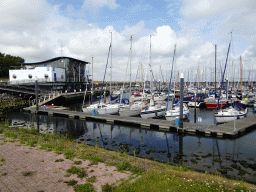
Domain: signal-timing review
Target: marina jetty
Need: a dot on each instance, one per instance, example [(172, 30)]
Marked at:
[(228, 130)]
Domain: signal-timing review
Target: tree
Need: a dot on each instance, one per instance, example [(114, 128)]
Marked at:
[(6, 61)]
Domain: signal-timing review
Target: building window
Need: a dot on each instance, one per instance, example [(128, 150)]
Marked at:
[(46, 76), (14, 76), (53, 69), (62, 76), (29, 76)]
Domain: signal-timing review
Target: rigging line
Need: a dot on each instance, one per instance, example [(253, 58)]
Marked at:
[(105, 73)]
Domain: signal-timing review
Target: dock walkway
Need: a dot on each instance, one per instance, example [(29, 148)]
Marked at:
[(228, 130)]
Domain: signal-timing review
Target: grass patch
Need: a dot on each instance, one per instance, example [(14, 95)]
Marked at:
[(59, 160), (72, 182), (77, 162), (91, 179), (107, 188), (2, 160), (84, 188), (123, 166), (96, 159), (80, 172), (67, 175)]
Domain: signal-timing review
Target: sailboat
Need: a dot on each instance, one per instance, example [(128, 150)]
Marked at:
[(103, 107), (153, 110), (134, 108), (171, 114), (229, 114)]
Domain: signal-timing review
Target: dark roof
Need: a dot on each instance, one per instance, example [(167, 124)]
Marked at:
[(55, 59)]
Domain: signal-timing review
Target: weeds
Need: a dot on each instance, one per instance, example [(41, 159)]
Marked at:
[(123, 166), (80, 172), (77, 162), (85, 187), (59, 160), (107, 188), (91, 179), (72, 182)]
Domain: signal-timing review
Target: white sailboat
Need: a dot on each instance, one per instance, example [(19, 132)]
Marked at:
[(229, 114), (101, 107), (134, 108), (154, 110), (173, 113)]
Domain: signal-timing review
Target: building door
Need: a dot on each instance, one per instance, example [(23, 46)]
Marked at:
[(55, 77)]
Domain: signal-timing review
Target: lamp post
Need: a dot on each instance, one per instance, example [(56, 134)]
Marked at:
[(181, 99)]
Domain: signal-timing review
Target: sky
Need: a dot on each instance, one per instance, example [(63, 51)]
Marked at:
[(38, 30)]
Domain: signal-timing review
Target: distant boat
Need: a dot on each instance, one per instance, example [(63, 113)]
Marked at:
[(172, 114), (211, 103), (229, 114), (153, 111)]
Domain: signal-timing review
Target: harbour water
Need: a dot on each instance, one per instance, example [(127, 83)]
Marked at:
[(234, 157)]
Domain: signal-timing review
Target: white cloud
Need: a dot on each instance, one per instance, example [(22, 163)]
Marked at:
[(22, 15), (94, 6)]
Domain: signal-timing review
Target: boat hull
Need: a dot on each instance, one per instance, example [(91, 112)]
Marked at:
[(154, 113), (224, 119), (214, 105), (129, 112), (174, 116)]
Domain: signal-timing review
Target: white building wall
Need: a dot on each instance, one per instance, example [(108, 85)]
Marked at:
[(48, 74)]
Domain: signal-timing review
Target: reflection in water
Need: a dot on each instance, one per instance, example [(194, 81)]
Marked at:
[(232, 157)]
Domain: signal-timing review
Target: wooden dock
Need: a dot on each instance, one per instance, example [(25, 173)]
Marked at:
[(227, 130)]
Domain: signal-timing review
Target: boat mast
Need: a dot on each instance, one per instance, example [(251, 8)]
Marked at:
[(198, 77), (150, 70), (131, 67), (241, 74), (92, 81), (215, 71), (111, 66)]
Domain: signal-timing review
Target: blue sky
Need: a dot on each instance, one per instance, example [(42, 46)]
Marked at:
[(35, 30)]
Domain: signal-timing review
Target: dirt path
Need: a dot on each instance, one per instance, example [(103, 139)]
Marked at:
[(46, 174)]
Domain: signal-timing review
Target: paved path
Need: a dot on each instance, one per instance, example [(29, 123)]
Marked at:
[(47, 175)]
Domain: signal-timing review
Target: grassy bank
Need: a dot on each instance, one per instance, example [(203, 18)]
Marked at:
[(151, 175)]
